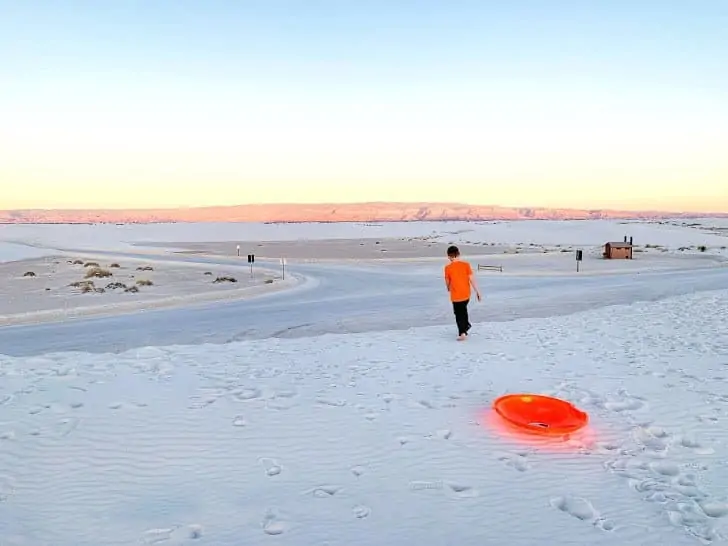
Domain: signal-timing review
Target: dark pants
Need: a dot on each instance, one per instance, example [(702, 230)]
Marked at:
[(460, 308)]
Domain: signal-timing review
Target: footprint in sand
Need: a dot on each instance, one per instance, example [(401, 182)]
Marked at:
[(360, 511), (518, 460), (239, 421), (177, 535), (690, 442), (324, 491), (651, 439), (246, 394), (460, 490), (714, 509), (627, 404), (157, 536), (452, 489), (271, 467), (672, 486), (331, 402), (272, 524), (580, 508), (67, 426)]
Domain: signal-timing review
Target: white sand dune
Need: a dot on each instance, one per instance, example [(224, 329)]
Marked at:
[(380, 437), (56, 288), (680, 233), (377, 439)]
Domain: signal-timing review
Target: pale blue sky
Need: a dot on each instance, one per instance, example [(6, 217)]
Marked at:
[(555, 103)]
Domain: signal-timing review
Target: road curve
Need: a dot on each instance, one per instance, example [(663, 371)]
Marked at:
[(347, 299)]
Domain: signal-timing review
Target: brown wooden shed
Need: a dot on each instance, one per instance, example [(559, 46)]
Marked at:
[(618, 251)]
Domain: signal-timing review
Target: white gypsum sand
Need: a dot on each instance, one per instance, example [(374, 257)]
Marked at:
[(527, 259), (377, 438), (668, 234), (58, 287)]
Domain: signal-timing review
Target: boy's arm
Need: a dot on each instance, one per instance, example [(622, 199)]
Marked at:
[(473, 282), (447, 280)]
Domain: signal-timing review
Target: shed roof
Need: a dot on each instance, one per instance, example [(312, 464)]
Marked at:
[(620, 244)]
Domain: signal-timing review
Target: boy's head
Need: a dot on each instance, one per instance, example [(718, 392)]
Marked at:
[(453, 252)]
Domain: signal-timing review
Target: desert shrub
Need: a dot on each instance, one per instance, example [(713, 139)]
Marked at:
[(77, 262), (91, 264), (144, 282), (225, 279), (132, 289), (208, 272), (81, 284), (114, 266), (702, 248), (90, 288), (269, 281), (115, 286), (29, 274), (145, 268), (97, 272)]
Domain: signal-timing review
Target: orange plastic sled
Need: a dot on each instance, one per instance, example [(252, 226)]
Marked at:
[(540, 414)]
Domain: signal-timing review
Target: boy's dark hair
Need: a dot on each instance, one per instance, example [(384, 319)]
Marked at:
[(453, 251)]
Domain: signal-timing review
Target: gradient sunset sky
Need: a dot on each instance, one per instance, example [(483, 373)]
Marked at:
[(139, 103)]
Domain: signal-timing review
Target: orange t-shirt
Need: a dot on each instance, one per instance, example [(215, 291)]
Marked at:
[(458, 273)]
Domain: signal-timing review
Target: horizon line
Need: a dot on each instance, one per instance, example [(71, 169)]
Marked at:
[(358, 203)]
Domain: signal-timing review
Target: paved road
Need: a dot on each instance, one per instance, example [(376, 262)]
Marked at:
[(341, 299)]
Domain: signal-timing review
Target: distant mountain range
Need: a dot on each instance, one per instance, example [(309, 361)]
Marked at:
[(323, 212)]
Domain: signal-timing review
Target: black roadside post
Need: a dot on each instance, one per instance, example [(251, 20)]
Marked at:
[(251, 260), (578, 259)]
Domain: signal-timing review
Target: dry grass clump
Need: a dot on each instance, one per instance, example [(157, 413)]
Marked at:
[(29, 274), (116, 286), (132, 289), (98, 272), (91, 264), (114, 266), (87, 287), (144, 282), (81, 284), (225, 279), (145, 268)]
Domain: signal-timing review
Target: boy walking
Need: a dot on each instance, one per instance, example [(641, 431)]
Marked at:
[(459, 278)]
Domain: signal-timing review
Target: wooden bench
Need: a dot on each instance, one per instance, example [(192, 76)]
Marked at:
[(490, 267)]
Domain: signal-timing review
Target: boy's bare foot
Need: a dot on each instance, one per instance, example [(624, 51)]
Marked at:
[(462, 337)]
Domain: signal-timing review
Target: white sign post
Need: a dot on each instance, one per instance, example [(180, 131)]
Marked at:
[(238, 251), (283, 268)]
